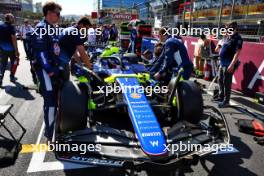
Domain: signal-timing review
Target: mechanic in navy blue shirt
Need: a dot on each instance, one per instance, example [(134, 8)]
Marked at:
[(8, 46), (30, 55), (133, 38), (72, 45), (229, 53), (46, 51), (174, 56)]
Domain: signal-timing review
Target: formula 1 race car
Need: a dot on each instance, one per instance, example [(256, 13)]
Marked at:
[(131, 129)]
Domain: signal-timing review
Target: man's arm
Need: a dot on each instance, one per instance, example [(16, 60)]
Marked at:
[(167, 62), (40, 44), (235, 58), (84, 57), (234, 61)]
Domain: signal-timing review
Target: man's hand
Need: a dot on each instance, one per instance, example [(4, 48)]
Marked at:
[(157, 76), (51, 74), (17, 54), (84, 57), (230, 69)]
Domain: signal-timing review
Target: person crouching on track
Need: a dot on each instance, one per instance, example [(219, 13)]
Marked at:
[(71, 45), (8, 47), (174, 56), (46, 51)]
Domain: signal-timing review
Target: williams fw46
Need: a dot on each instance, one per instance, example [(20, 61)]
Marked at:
[(136, 129)]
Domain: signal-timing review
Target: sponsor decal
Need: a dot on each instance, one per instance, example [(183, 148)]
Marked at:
[(135, 95), (97, 161), (151, 134)]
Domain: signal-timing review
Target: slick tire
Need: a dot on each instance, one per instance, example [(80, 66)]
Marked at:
[(72, 108), (190, 102)]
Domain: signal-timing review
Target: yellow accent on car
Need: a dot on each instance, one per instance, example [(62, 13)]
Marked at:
[(83, 79), (142, 77), (91, 104), (174, 102)]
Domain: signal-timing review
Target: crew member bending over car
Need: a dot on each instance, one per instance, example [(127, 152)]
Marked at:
[(174, 56), (72, 45), (46, 51)]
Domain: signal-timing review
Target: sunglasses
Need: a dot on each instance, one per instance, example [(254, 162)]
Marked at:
[(56, 12)]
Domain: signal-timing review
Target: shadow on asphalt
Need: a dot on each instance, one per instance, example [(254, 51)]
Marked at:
[(97, 171), (19, 91), (229, 164), (249, 104)]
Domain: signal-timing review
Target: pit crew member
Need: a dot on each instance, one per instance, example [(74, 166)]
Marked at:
[(71, 44), (174, 56), (46, 51)]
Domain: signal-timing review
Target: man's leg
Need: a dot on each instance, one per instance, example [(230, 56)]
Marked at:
[(227, 83), (25, 44), (50, 102), (221, 84), (3, 64), (228, 86), (33, 72), (13, 65)]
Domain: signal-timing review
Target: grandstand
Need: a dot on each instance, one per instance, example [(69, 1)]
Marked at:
[(213, 13)]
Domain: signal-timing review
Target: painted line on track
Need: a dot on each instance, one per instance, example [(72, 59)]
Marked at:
[(37, 163)]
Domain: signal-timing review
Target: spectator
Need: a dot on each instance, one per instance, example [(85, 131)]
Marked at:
[(229, 53), (197, 55), (206, 51), (113, 33), (105, 34), (92, 38), (24, 30), (133, 38), (8, 47)]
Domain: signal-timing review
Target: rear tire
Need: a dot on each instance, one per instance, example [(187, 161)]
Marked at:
[(73, 108), (190, 102)]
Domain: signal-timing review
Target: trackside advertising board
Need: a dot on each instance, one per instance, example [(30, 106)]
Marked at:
[(249, 78)]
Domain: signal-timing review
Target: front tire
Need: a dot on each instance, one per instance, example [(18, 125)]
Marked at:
[(73, 108), (190, 102)]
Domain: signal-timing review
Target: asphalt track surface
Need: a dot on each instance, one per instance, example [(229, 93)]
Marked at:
[(28, 110)]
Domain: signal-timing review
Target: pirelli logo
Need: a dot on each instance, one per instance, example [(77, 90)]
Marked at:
[(151, 134)]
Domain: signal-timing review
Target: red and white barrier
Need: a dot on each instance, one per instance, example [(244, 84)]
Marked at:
[(249, 78)]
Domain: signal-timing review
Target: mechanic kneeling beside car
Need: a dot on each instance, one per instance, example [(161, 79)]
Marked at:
[(174, 56)]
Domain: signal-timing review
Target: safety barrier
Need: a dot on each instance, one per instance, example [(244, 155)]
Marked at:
[(249, 78)]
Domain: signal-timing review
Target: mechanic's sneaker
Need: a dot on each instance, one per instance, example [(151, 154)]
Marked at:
[(218, 99), (223, 104), (13, 78)]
